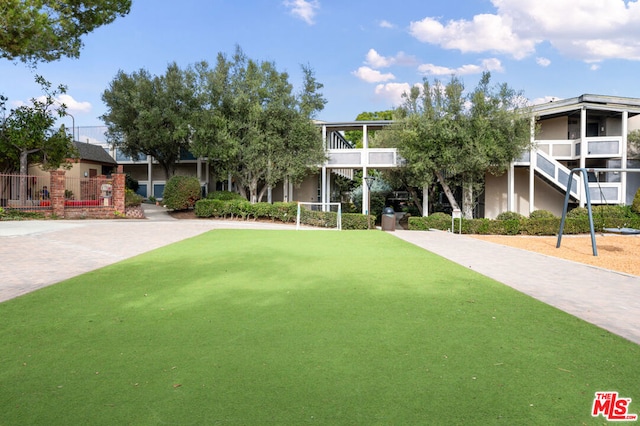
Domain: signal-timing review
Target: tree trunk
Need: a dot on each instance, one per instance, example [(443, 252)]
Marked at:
[(447, 191), (253, 190), (264, 189), (24, 170), (467, 199), (416, 200)]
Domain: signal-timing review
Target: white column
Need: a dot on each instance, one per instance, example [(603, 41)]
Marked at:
[(584, 150), (425, 200), (365, 192), (324, 137), (533, 162), (623, 175), (511, 188), (327, 189), (365, 137), (150, 175), (323, 186), (285, 190)]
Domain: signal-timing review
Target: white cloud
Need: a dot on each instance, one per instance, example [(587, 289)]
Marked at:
[(372, 76), (386, 24), (543, 62), (589, 30), (72, 105), (485, 33), (392, 92), (305, 10), (544, 100), (376, 60), (491, 64)]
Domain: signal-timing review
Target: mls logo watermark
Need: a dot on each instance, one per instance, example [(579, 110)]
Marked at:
[(612, 407)]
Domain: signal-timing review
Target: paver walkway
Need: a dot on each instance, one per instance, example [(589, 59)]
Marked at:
[(35, 254)]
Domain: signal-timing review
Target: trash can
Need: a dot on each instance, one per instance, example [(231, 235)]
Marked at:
[(388, 219)]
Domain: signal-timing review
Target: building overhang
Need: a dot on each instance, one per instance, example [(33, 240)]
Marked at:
[(611, 104)]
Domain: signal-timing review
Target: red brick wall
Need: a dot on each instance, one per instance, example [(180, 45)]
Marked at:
[(116, 209)]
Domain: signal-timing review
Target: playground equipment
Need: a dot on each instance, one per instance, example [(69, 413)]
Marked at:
[(585, 180)]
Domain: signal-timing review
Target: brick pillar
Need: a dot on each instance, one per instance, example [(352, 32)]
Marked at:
[(57, 192), (118, 190)]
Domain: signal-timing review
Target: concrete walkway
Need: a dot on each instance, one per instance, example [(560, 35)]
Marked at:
[(36, 254)]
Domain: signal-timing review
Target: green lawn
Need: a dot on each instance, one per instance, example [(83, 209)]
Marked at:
[(283, 327)]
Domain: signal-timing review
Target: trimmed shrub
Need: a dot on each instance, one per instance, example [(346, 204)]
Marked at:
[(510, 216), (541, 214), (131, 199), (319, 218), (209, 208), (635, 206), (440, 221), (224, 196), (181, 192), (284, 212), (355, 221), (578, 212)]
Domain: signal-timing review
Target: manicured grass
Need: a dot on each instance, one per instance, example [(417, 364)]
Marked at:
[(284, 327)]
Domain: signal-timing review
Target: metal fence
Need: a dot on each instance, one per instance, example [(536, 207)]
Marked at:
[(88, 192), (25, 192)]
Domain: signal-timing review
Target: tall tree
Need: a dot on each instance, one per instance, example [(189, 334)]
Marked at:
[(455, 138), (27, 134), (46, 30), (151, 115), (253, 126), (355, 136)]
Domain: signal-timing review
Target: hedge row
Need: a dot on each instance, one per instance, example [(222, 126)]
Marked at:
[(279, 211), (523, 226)]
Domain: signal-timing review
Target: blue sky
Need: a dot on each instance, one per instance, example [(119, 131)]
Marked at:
[(366, 53)]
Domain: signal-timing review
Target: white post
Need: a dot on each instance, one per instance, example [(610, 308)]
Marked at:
[(323, 186), (623, 175), (584, 150), (425, 200), (365, 192), (150, 176), (533, 162), (285, 190), (510, 188)]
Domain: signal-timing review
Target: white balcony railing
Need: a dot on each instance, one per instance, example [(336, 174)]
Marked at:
[(358, 158), (598, 147), (605, 193)]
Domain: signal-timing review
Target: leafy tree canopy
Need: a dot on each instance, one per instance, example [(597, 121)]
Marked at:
[(355, 136), (27, 134), (151, 115), (46, 30), (456, 137), (254, 126)]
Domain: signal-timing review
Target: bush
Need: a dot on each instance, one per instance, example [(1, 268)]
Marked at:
[(181, 192), (578, 212), (131, 183), (541, 214), (209, 208), (355, 221), (224, 196), (440, 221), (635, 206), (131, 199), (510, 216)]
